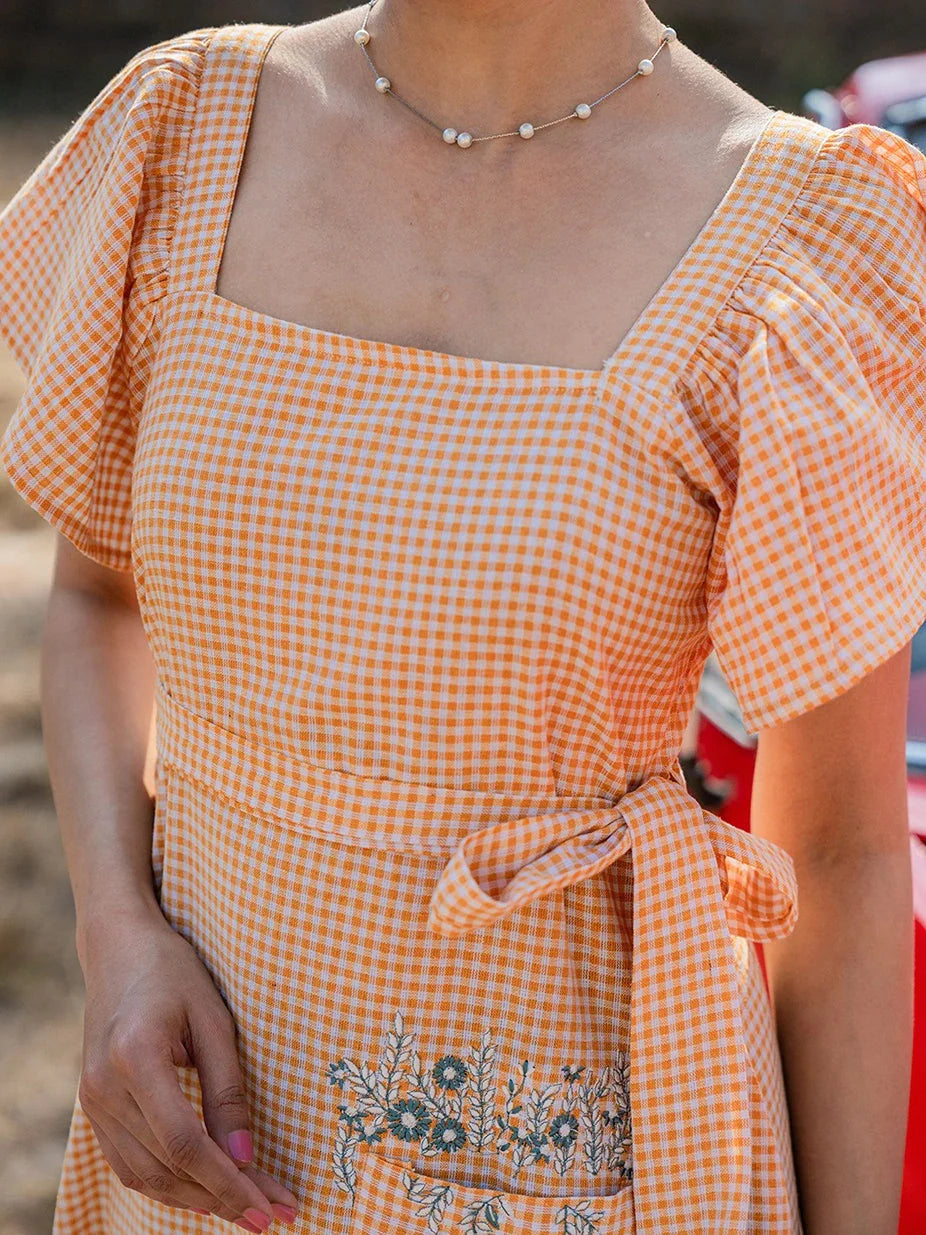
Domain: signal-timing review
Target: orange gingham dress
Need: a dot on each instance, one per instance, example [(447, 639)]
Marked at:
[(428, 630)]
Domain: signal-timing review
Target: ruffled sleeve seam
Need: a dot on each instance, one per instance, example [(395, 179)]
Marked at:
[(758, 259), (151, 287), (180, 177), (824, 166)]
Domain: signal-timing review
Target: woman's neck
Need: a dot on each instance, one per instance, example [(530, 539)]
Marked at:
[(488, 64)]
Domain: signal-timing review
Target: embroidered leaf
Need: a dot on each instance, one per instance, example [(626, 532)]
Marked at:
[(539, 1109), (521, 1152), (592, 1127), (367, 1092), (480, 1217), (342, 1156), (618, 1141), (432, 1200), (415, 1187), (512, 1108), (396, 1051), (337, 1073), (579, 1219), (563, 1156), (482, 1092)]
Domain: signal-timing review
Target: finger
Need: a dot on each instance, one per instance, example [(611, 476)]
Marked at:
[(213, 1042), (224, 1100), (138, 1170), (125, 1128), (285, 1203), (186, 1145)]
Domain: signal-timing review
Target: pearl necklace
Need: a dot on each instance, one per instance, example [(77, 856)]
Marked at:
[(463, 139)]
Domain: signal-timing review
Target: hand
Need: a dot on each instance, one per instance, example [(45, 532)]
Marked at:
[(152, 1007)]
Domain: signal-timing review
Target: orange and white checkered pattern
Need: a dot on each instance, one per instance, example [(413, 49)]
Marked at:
[(428, 629)]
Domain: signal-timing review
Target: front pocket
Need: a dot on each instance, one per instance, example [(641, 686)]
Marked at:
[(392, 1198)]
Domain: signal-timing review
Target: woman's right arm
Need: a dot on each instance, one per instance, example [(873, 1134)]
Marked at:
[(151, 1003)]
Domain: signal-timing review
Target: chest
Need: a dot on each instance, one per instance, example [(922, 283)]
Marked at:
[(509, 252)]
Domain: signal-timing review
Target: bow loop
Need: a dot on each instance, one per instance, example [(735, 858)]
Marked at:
[(499, 868)]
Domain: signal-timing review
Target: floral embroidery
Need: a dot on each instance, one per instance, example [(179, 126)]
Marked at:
[(433, 1199), (450, 1072), (457, 1102), (579, 1219), (449, 1134), (409, 1119), (482, 1217)]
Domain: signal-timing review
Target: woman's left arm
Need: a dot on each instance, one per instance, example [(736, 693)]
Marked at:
[(830, 788)]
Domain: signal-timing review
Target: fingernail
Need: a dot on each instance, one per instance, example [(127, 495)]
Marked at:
[(199, 1211), (247, 1226), (260, 1220), (285, 1213), (239, 1145)]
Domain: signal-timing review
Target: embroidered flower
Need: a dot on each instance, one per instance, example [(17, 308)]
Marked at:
[(564, 1129), (450, 1072), (408, 1119), (448, 1134)]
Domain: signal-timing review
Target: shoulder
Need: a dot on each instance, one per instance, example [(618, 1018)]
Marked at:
[(846, 260), (870, 159), (858, 221), (169, 70), (825, 328), (866, 196)]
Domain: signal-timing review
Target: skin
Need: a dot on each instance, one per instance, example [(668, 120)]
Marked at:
[(830, 787), (353, 216)]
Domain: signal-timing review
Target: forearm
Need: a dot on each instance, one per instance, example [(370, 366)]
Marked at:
[(842, 987), (97, 685)]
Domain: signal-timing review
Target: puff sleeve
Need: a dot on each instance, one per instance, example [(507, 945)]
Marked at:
[(807, 400), (84, 261)]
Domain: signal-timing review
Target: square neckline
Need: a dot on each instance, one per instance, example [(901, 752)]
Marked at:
[(362, 350)]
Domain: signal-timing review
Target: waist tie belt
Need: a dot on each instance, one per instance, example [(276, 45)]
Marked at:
[(697, 881)]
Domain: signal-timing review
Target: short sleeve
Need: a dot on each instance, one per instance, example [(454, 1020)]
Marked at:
[(807, 406), (84, 262)]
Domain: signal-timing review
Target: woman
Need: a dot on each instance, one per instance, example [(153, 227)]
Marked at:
[(410, 457)]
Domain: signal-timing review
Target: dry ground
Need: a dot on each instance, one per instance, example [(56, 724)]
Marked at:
[(41, 988)]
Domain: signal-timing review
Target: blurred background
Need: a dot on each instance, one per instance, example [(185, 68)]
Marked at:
[(834, 60)]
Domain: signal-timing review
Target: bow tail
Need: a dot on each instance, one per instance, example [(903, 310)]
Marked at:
[(690, 1071)]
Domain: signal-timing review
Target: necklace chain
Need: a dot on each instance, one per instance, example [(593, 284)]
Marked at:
[(463, 138)]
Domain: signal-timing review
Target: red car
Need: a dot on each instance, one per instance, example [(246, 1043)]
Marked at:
[(721, 776), (890, 93)]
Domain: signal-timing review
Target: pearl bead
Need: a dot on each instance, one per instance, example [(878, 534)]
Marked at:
[(383, 84), (669, 34), (583, 111), (526, 130), (361, 36), (645, 67), (450, 136), (464, 139)]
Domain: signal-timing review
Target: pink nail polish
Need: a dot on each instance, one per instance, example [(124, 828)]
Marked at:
[(239, 1145), (260, 1220), (285, 1213), (248, 1226), (199, 1211)]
